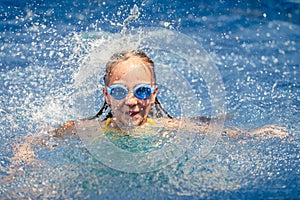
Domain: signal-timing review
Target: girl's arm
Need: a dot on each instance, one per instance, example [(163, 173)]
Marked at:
[(268, 130), (67, 128)]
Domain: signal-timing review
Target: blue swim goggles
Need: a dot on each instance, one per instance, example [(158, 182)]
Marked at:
[(142, 91)]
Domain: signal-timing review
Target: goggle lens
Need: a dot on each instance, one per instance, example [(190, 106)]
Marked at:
[(142, 92), (119, 91)]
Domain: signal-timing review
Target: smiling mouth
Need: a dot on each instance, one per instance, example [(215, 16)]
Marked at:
[(131, 113)]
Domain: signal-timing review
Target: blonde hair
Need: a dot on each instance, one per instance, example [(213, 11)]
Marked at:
[(123, 56)]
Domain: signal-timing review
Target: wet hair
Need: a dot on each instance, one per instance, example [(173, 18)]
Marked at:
[(123, 56), (157, 110)]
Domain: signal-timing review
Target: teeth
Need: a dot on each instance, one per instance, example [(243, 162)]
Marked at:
[(132, 113)]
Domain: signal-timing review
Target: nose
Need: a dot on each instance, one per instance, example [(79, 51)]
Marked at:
[(131, 100)]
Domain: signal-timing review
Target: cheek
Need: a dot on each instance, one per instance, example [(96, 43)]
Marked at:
[(119, 105), (145, 105), (116, 104)]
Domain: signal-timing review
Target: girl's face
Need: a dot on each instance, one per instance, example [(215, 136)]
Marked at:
[(130, 111)]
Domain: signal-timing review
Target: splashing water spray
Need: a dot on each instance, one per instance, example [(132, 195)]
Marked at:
[(134, 15), (173, 53)]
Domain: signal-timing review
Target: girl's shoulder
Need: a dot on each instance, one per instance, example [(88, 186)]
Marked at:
[(73, 127), (89, 123), (174, 123)]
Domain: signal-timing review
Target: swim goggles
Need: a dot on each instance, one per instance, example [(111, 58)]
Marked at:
[(142, 91)]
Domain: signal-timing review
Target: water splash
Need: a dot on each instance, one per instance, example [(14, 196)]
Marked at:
[(233, 164), (134, 15)]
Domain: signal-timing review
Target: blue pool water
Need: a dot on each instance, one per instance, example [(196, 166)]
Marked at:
[(255, 47)]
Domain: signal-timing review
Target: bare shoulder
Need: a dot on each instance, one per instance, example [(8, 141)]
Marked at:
[(89, 123), (182, 123), (89, 126), (169, 123), (72, 127)]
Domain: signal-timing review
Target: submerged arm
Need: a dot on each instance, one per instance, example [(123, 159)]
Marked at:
[(268, 130), (24, 147)]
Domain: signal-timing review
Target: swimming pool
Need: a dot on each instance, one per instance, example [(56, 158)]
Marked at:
[(255, 47)]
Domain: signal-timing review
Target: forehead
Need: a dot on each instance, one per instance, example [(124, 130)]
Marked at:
[(133, 70)]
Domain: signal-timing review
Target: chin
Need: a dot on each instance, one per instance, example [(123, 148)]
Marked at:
[(134, 121)]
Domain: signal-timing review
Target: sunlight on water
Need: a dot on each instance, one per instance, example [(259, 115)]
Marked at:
[(50, 72)]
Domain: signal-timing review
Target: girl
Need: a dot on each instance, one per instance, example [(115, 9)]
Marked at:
[(130, 95), (131, 104), (131, 100)]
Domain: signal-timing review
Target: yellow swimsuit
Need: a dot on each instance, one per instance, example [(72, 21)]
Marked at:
[(106, 128)]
